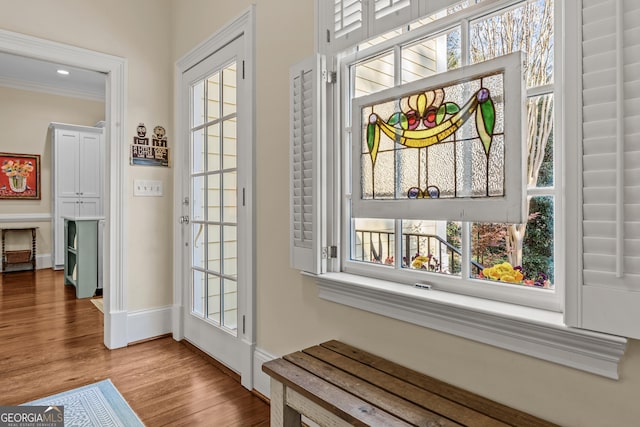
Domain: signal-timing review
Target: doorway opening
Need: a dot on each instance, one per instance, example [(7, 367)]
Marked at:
[(115, 266)]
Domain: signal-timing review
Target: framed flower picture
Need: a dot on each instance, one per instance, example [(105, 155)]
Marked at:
[(20, 176)]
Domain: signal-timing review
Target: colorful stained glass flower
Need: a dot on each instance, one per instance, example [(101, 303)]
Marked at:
[(429, 119)]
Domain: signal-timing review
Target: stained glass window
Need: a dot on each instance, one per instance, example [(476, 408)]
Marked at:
[(446, 142), (448, 138)]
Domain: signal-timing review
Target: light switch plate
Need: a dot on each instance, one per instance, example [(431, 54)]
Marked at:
[(147, 188)]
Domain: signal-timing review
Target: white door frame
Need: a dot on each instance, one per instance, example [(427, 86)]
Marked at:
[(115, 261), (244, 25)]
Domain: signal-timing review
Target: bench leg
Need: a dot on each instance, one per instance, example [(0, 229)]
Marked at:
[(281, 414)]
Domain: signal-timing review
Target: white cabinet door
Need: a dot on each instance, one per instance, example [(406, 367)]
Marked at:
[(78, 157), (90, 165), (66, 158), (89, 206)]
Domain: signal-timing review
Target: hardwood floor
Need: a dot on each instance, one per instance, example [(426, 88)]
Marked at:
[(52, 342)]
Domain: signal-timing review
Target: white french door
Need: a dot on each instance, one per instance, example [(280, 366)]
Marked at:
[(216, 216)]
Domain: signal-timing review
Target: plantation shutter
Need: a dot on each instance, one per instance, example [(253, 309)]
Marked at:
[(345, 23), (306, 157), (610, 289), (429, 7), (389, 14)]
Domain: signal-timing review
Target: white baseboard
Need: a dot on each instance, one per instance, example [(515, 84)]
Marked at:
[(261, 381), (146, 324), (43, 261), (115, 329)]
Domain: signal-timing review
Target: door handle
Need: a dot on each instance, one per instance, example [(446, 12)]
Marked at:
[(184, 219)]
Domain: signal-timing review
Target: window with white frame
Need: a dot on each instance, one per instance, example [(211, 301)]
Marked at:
[(395, 87), (555, 285)]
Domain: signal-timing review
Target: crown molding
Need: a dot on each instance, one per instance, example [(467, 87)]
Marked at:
[(51, 89)]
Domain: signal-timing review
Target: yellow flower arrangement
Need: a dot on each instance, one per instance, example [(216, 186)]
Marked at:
[(15, 168), (503, 272), (420, 261)]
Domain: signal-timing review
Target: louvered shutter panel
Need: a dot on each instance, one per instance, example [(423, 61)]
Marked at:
[(349, 22), (429, 7), (306, 156), (344, 22), (610, 291), (389, 14)]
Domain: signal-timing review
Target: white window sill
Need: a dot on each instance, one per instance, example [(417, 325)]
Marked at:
[(534, 332)]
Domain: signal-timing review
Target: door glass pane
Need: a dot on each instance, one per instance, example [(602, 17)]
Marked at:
[(213, 298), (197, 105), (230, 140), (229, 90), (230, 252), (213, 205), (230, 197), (198, 199), (213, 97), (198, 238), (213, 256), (213, 147), (198, 293), (197, 150), (230, 303)]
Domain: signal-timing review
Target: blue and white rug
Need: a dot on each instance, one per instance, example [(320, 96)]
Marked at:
[(94, 405)]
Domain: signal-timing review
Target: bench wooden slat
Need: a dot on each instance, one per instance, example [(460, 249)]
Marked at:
[(372, 393), (409, 392), (337, 401), (471, 400)]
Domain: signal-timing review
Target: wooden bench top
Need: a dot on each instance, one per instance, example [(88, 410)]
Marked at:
[(364, 389)]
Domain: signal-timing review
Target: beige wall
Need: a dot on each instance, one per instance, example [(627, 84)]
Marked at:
[(139, 31), (24, 119), (290, 314)]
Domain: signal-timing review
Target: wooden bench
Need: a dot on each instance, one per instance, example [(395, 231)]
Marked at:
[(334, 384)]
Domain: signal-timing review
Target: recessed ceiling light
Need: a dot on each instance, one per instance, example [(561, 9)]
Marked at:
[(63, 72)]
